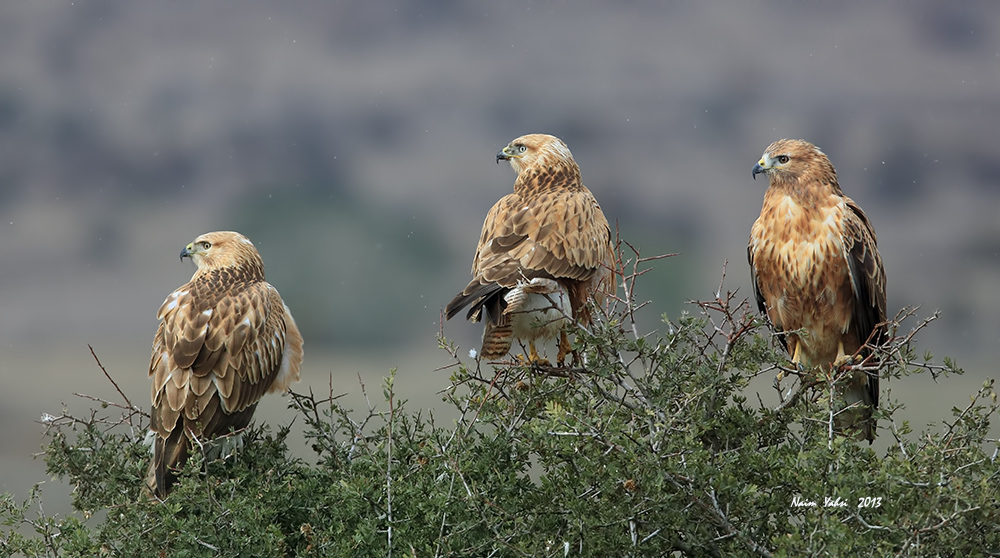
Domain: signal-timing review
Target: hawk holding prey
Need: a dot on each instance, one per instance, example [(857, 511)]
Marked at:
[(543, 250)]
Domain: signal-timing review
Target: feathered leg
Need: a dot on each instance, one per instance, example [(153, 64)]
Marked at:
[(564, 348)]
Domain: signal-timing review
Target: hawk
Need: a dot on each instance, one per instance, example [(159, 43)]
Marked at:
[(817, 273), (225, 338), (543, 250)]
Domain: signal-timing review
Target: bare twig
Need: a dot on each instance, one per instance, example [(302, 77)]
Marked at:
[(945, 520), (114, 383), (131, 410)]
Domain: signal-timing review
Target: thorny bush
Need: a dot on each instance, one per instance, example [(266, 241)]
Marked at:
[(649, 444)]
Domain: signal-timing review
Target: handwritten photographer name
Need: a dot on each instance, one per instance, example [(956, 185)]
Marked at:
[(837, 502)]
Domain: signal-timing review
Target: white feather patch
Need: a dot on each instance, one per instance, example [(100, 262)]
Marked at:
[(538, 309), (149, 440)]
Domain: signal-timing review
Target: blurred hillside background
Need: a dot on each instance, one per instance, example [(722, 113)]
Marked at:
[(354, 143)]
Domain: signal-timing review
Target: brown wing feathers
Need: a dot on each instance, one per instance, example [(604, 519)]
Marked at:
[(867, 275), (868, 282)]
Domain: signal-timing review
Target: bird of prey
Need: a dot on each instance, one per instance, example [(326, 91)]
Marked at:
[(543, 250), (225, 339), (817, 273)]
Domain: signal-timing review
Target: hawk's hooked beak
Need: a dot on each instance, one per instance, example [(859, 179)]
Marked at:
[(759, 168), (186, 252), (505, 154)]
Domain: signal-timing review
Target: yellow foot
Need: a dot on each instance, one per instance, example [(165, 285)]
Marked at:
[(533, 358), (522, 360), (796, 357), (842, 359)]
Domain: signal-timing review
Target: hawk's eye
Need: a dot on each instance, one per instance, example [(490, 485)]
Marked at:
[(206, 245), (521, 149), (782, 159)]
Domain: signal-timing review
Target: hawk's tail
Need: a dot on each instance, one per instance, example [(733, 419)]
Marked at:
[(857, 420), (476, 295), (169, 455), (497, 339)]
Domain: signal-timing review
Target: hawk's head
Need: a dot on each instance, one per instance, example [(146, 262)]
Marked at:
[(788, 160), (220, 249), (535, 150)]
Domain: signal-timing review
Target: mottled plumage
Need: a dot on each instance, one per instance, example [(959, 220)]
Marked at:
[(816, 268), (225, 339), (547, 245)]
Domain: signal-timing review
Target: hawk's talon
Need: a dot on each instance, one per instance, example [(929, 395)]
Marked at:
[(843, 360), (532, 359)]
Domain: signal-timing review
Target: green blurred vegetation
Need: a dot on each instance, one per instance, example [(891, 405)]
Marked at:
[(361, 274), (381, 264)]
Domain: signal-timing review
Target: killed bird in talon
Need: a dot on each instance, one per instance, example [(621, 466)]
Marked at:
[(817, 273), (543, 250), (224, 340)]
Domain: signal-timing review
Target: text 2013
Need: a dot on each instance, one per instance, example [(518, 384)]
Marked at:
[(869, 502)]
